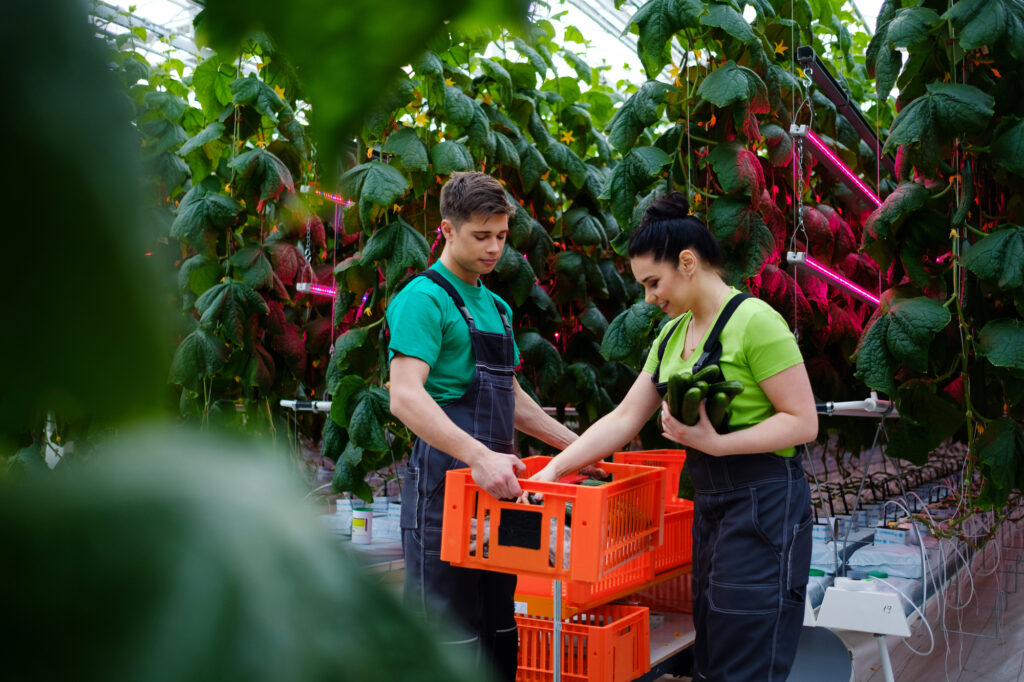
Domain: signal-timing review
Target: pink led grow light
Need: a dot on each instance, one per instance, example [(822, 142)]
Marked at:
[(318, 289), (828, 157), (333, 197), (803, 261)]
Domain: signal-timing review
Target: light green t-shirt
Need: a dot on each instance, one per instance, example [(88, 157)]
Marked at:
[(425, 323), (756, 344)]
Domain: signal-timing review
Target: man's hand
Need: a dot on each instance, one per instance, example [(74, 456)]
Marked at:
[(495, 473)]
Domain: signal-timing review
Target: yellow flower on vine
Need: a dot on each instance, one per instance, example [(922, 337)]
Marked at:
[(486, 98), (449, 81), (279, 90), (421, 119), (567, 137), (369, 152), (697, 198), (780, 49), (673, 72)]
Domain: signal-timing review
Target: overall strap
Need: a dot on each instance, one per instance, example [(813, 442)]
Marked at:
[(662, 346), (439, 279), (713, 347)]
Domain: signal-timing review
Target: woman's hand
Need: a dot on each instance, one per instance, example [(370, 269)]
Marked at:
[(701, 436)]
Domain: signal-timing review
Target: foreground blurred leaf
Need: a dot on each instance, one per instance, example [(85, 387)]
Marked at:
[(339, 47), (91, 286), (232, 576)]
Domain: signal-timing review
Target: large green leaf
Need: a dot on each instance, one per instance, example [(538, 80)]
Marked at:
[(875, 364), (658, 21), (350, 52), (203, 209), (401, 246), (913, 323), (627, 334), (737, 169), (257, 94), (458, 107), (583, 228), (998, 257), (532, 165), (208, 134), (730, 21), (366, 425), (884, 224), (945, 111), (505, 151), (911, 25), (631, 175), (513, 269), (565, 160), (450, 156), (227, 306), (594, 320), (731, 83), (922, 403), (254, 265), (1008, 148), (495, 70), (349, 470), (747, 241), (532, 56), (543, 358), (1001, 342), (999, 451), (374, 183), (780, 144), (583, 70), (636, 114), (211, 86), (409, 148), (199, 355), (197, 274), (261, 175), (987, 22)]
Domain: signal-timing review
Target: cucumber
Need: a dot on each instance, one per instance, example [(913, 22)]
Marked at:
[(732, 388), (717, 404), (677, 387), (690, 411), (703, 386), (710, 374)]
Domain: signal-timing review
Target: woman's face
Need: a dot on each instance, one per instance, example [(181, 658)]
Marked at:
[(666, 284)]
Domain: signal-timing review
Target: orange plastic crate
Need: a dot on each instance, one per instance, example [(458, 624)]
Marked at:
[(671, 460), (607, 644), (676, 548), (674, 595), (535, 592), (612, 524)]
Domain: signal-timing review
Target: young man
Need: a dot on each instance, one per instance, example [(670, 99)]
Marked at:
[(453, 384)]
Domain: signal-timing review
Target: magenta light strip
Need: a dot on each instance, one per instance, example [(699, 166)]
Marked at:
[(835, 278), (841, 167), (318, 289), (333, 197)]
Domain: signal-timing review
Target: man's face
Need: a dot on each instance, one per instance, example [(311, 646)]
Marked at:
[(475, 246)]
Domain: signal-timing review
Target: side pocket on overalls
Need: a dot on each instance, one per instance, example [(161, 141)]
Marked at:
[(798, 557), (410, 498)]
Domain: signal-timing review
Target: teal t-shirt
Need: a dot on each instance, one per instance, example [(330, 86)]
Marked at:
[(425, 324), (756, 344)]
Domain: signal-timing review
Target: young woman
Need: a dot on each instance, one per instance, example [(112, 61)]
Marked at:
[(752, 522)]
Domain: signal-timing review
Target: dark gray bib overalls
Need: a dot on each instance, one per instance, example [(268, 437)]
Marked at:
[(751, 552), (480, 603)]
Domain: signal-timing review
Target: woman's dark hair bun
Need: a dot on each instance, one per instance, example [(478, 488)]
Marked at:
[(672, 205)]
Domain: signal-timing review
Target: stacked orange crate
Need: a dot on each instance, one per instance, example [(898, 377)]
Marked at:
[(606, 644), (676, 548)]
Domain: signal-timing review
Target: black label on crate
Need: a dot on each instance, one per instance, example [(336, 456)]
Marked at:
[(519, 528)]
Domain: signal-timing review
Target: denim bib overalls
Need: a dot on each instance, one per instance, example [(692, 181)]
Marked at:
[(751, 554), (479, 603)]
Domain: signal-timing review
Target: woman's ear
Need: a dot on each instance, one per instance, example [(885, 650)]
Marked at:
[(687, 262)]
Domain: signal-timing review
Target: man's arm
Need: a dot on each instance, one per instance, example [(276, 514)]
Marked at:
[(531, 419), (494, 472)]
